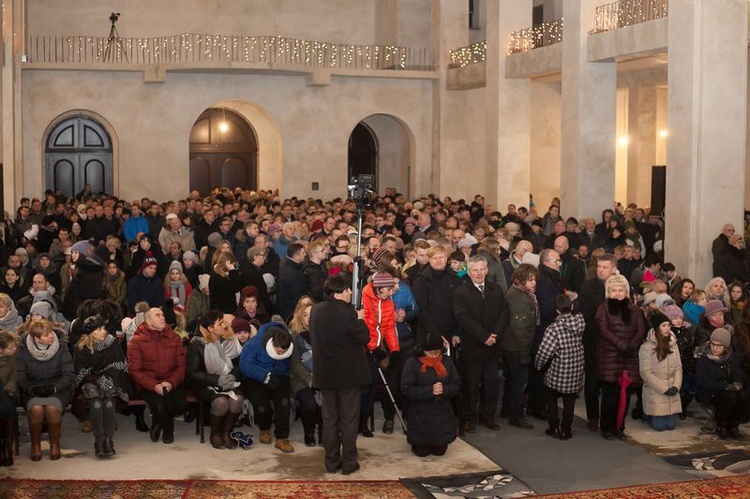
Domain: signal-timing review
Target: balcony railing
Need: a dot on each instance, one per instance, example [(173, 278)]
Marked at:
[(470, 54), (624, 13), (189, 48), (541, 35)]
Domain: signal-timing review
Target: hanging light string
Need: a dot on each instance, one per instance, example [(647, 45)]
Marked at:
[(624, 13), (537, 36)]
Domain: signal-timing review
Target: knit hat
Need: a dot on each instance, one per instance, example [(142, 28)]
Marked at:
[(432, 341), (170, 217), (410, 220), (615, 280), (721, 335), (467, 242), (649, 297), (149, 260), (714, 306), (513, 228), (673, 312), (41, 308), (189, 255), (316, 226), (22, 251), (382, 280), (663, 299), (203, 280), (81, 246), (214, 239), (273, 229), (657, 320), (379, 254), (175, 265)]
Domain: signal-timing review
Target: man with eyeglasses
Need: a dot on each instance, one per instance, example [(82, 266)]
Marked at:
[(314, 268), (572, 270), (719, 247)]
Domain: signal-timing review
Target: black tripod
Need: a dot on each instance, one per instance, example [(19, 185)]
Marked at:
[(114, 40)]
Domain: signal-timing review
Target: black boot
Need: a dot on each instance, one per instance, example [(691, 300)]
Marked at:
[(685, 398), (140, 422), (99, 448), (7, 439), (109, 447), (364, 427), (553, 430), (723, 432), (217, 431), (320, 433)]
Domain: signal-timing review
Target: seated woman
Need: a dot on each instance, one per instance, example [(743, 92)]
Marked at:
[(101, 366), (302, 368), (722, 383), (9, 318), (427, 381), (177, 286), (211, 371), (8, 396), (45, 381), (661, 372), (250, 307)]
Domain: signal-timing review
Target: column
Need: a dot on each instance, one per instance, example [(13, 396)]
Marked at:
[(642, 135), (707, 105), (589, 93), (508, 109)]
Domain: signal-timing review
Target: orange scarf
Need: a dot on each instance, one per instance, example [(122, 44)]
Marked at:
[(436, 363)]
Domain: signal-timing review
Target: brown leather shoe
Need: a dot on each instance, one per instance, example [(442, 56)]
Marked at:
[(470, 427), (265, 437), (490, 424), (284, 446), (593, 425)]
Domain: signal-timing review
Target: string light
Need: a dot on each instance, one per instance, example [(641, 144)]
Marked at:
[(192, 48), (537, 36), (471, 54), (624, 13)]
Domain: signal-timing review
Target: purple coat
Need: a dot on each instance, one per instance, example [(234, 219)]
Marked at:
[(618, 344)]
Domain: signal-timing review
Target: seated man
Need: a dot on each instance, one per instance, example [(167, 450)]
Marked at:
[(156, 361), (264, 363)]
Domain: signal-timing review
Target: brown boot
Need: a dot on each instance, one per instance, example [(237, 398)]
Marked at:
[(54, 427), (265, 436), (229, 424), (217, 428), (10, 440), (284, 445), (36, 418)]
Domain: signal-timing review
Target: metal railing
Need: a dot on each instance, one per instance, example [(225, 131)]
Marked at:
[(624, 13), (470, 54), (190, 48), (541, 35)]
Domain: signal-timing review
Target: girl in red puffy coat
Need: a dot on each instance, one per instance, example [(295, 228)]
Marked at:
[(380, 316)]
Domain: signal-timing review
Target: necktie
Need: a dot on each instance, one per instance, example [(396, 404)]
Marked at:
[(481, 288)]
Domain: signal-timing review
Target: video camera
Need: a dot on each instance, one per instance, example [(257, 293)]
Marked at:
[(361, 189)]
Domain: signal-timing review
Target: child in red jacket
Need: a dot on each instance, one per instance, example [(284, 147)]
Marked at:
[(380, 316)]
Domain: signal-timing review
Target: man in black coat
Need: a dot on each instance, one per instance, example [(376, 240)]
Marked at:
[(592, 295), (314, 268), (251, 270), (292, 281), (339, 337), (482, 315), (434, 294)]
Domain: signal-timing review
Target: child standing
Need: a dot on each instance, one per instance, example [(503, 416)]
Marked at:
[(562, 349), (683, 333)]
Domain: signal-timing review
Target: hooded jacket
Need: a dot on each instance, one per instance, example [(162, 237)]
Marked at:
[(380, 317), (255, 361), (658, 376)]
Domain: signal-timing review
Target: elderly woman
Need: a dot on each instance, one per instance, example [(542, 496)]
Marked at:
[(8, 396), (250, 308), (713, 318), (621, 332), (722, 383), (102, 369), (427, 381), (717, 289), (661, 371), (45, 379), (211, 371), (9, 318), (302, 368)]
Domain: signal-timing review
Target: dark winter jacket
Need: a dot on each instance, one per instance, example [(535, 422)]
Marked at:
[(56, 371), (619, 341), (548, 286), (715, 374), (195, 370), (434, 293), (86, 284), (108, 364), (315, 275), (338, 340), (519, 335), (292, 286), (432, 420), (302, 362), (223, 291), (255, 363), (591, 297), (253, 276), (148, 289)]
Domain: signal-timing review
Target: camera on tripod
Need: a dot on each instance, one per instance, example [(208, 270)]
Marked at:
[(114, 17), (361, 189)]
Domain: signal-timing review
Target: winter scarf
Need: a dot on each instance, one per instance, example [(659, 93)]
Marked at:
[(436, 363), (42, 352)]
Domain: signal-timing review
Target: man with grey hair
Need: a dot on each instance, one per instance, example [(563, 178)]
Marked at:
[(516, 258), (482, 316), (286, 238)]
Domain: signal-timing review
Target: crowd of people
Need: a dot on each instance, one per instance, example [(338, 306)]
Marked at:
[(245, 301)]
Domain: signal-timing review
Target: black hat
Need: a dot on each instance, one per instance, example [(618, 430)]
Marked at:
[(657, 320), (432, 342)]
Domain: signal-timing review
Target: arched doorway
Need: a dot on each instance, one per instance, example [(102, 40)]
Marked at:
[(223, 152), (383, 146), (78, 151)]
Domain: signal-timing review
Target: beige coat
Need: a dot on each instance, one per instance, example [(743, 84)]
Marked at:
[(658, 376)]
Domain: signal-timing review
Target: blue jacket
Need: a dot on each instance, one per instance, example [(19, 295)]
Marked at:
[(255, 363), (404, 299), (133, 226)]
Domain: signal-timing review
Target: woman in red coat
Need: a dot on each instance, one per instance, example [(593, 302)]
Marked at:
[(621, 332)]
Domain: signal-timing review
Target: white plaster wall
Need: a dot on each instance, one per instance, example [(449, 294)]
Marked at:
[(622, 175), (413, 23), (309, 19), (394, 152), (545, 141), (152, 124)]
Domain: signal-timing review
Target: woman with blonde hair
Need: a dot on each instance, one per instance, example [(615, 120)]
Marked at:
[(9, 318), (101, 370), (45, 381), (212, 371), (302, 368), (224, 283), (717, 289)]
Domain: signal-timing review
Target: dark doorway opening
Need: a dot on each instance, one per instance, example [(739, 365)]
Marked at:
[(363, 152)]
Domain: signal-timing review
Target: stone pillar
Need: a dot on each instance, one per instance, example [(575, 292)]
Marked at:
[(707, 124), (508, 109), (642, 144), (13, 32), (589, 93), (545, 141)]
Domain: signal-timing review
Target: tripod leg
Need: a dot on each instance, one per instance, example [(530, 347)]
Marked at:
[(390, 395)]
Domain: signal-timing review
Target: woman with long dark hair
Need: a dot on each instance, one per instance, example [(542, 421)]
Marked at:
[(661, 371)]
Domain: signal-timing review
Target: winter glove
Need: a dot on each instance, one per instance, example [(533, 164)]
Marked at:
[(393, 357), (672, 391), (379, 354), (227, 381), (43, 390), (272, 381)]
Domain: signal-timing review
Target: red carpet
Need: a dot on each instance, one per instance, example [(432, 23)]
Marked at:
[(197, 489), (731, 486)]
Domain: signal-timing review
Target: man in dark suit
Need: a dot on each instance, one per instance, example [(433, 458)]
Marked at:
[(482, 315)]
